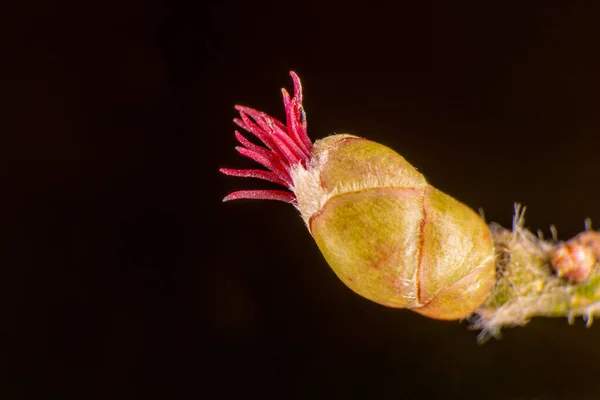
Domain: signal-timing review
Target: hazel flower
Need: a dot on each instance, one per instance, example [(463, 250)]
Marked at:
[(287, 146), (386, 233)]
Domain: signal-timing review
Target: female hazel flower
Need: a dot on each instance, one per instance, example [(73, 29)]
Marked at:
[(386, 233)]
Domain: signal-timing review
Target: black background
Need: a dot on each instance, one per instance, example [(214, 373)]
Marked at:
[(124, 276)]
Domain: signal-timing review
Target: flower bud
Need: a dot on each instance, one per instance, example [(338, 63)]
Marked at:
[(386, 233), (575, 259)]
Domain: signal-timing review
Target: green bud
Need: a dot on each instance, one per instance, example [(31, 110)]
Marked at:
[(389, 235)]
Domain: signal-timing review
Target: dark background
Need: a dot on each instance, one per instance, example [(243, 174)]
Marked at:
[(123, 276)]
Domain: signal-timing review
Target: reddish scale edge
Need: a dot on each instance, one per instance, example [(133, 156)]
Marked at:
[(285, 146)]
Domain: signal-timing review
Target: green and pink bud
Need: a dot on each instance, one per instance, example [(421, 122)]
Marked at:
[(386, 233), (576, 259)]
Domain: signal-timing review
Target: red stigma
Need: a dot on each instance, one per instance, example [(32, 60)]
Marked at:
[(284, 146)]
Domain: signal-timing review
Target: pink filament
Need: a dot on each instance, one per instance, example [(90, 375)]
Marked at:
[(280, 195), (285, 146)]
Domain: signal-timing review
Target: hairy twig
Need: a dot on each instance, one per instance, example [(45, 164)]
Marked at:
[(527, 284)]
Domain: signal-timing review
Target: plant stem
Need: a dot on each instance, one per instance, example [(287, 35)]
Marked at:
[(527, 286)]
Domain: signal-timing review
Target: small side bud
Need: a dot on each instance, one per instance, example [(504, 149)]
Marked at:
[(575, 259)]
